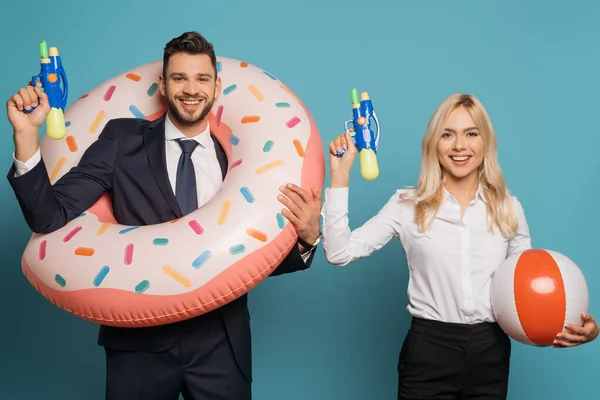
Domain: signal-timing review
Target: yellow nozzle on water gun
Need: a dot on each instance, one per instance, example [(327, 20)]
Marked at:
[(55, 124), (368, 164)]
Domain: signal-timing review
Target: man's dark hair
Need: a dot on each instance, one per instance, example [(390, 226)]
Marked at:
[(189, 43)]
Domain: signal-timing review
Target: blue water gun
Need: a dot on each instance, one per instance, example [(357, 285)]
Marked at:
[(50, 76), (366, 142)]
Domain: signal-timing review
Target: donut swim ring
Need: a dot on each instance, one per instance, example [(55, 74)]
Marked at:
[(131, 276)]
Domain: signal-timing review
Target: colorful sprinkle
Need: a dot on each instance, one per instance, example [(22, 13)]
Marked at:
[(256, 234), (177, 276), (299, 148), (136, 112), (152, 89), (237, 249), (142, 286), (57, 168), (224, 212), (286, 88), (133, 77), (124, 231), (219, 115), (84, 96), (229, 89), (196, 227), (72, 144), (236, 164), (97, 121), (247, 194), (43, 250), (109, 92), (128, 258), (60, 280), (234, 140), (269, 166), (84, 251), (176, 220), (250, 119), (103, 228), (101, 275), (202, 259), (269, 75), (70, 235), (81, 215), (244, 64), (219, 66), (259, 96), (268, 146), (160, 242), (282, 105), (67, 124), (280, 221), (292, 122)]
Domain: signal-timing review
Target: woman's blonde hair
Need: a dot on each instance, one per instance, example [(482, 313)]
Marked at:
[(429, 192)]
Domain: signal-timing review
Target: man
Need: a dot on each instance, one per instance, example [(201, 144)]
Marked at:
[(141, 164)]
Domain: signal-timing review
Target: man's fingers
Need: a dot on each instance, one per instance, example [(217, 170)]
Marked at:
[(290, 205), (303, 194), (317, 195), (18, 101), (294, 195), (290, 217)]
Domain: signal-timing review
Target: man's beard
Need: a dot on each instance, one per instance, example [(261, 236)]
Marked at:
[(185, 119)]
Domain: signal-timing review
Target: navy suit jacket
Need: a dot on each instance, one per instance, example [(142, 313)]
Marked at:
[(128, 161)]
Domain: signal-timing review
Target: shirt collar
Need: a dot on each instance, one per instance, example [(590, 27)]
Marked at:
[(203, 139), (479, 194)]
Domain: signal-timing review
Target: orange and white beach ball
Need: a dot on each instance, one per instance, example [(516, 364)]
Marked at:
[(535, 293)]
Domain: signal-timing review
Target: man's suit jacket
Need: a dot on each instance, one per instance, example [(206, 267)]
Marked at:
[(128, 161)]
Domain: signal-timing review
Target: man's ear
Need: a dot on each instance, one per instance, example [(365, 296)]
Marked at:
[(217, 87), (161, 85)]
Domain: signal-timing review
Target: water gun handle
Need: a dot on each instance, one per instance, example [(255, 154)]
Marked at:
[(376, 130), (63, 78)]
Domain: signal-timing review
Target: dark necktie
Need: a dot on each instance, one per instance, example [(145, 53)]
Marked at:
[(186, 192)]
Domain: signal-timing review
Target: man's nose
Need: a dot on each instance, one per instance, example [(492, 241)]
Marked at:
[(191, 87)]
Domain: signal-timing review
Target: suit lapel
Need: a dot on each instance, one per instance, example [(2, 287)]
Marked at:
[(154, 142)]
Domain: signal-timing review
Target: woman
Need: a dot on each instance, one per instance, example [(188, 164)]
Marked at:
[(456, 227)]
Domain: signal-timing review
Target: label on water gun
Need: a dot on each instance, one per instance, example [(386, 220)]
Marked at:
[(365, 140), (50, 76)]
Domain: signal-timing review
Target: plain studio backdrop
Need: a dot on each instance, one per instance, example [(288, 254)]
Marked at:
[(334, 333)]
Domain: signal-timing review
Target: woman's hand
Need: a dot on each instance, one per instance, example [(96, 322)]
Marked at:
[(340, 166), (575, 335)]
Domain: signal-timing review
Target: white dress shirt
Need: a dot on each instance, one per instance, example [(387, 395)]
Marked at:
[(206, 164), (209, 177), (450, 265)]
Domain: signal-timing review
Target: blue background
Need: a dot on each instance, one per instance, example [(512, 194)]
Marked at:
[(334, 333)]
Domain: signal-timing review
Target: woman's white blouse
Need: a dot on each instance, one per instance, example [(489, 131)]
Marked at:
[(450, 265)]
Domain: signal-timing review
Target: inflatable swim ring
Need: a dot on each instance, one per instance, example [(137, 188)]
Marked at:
[(133, 276)]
